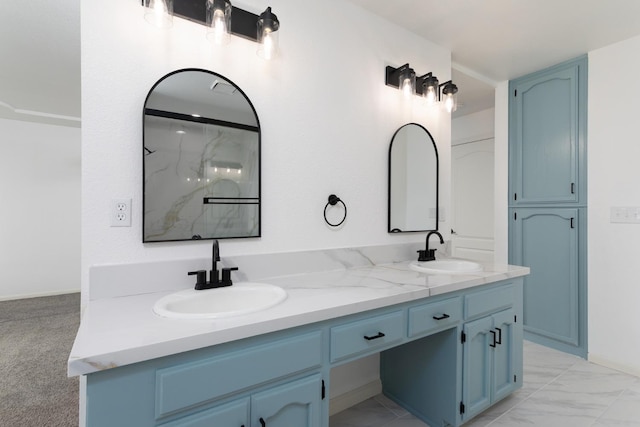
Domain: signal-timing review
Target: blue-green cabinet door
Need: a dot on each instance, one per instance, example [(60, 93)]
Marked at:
[(546, 240), (547, 133), (476, 366), (504, 365), (489, 367), (297, 403)]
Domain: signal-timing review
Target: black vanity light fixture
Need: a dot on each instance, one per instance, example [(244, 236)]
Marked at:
[(449, 96), (403, 78), (222, 20), (427, 86)]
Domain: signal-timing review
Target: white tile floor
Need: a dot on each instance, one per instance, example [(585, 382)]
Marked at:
[(559, 390)]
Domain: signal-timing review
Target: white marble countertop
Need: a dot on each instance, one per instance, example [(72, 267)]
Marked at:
[(122, 330)]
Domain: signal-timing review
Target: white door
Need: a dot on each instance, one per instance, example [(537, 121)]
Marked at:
[(472, 194)]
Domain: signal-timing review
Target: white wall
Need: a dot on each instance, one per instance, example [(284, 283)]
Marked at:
[(614, 180), (473, 127), (327, 119), (40, 214), (501, 174)]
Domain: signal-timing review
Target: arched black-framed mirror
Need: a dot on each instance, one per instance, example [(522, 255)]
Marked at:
[(413, 180), (201, 159)]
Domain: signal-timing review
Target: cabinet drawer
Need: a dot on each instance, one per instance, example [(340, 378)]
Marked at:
[(190, 384), (489, 301), (434, 316), (231, 414), (364, 336)]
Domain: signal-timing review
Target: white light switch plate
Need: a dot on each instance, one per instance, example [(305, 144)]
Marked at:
[(625, 215)]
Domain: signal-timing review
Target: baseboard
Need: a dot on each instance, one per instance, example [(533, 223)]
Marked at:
[(39, 294), (355, 396), (614, 365)]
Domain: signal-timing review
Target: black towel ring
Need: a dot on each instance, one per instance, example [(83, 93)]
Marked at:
[(333, 200)]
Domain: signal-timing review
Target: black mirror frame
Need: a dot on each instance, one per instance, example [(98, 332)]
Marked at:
[(435, 148), (259, 234)]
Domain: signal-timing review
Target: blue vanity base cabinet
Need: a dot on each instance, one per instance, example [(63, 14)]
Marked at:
[(448, 377), (423, 377), (281, 379), (492, 340)]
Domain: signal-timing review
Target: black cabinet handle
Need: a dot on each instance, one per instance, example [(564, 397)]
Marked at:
[(493, 334), (375, 337), (444, 316), (262, 422), (499, 341)]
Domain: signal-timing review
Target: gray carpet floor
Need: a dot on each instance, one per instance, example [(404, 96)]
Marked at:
[(36, 336)]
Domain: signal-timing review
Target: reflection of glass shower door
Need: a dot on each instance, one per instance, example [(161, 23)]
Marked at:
[(223, 216)]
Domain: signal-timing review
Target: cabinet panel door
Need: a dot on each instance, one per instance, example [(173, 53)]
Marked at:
[(546, 240), (297, 403), (504, 381), (547, 132), (476, 368)]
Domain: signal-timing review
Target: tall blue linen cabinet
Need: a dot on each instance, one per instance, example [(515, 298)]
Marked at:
[(548, 202)]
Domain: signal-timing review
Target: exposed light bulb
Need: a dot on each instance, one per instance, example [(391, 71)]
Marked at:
[(228, 170), (239, 171), (407, 88), (268, 44), (268, 26), (449, 103), (430, 95), (219, 27)]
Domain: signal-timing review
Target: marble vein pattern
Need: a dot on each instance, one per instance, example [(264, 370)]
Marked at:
[(320, 285), (187, 162), (559, 390)]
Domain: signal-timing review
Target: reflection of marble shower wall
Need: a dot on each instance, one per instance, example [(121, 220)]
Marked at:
[(179, 175)]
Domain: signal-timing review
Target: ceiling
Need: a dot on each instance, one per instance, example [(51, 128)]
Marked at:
[(490, 41), (40, 61), (497, 40)]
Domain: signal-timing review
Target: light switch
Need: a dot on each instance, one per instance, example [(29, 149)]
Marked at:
[(625, 215)]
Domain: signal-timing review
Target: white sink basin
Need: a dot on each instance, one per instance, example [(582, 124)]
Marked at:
[(446, 266), (241, 298)]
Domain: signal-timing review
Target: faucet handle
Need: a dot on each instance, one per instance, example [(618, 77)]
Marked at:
[(201, 278), (226, 276), (427, 254)]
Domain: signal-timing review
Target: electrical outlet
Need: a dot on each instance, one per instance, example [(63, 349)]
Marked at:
[(121, 213)]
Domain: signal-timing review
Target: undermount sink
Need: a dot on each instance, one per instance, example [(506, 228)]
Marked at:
[(446, 266), (241, 298)]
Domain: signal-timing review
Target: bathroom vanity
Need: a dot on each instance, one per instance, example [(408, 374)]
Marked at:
[(451, 345)]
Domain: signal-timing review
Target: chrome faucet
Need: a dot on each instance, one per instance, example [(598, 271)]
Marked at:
[(214, 277), (427, 254)]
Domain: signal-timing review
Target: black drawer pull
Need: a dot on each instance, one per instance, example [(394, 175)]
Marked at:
[(262, 422), (499, 340), (493, 334), (375, 337), (444, 316)]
